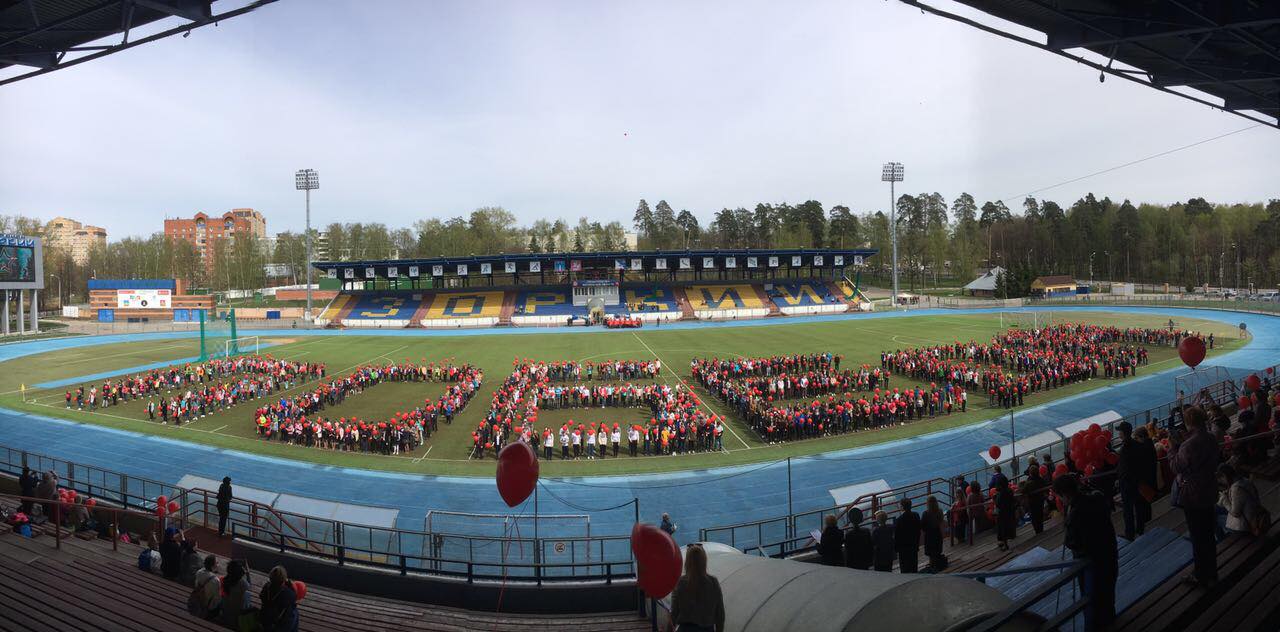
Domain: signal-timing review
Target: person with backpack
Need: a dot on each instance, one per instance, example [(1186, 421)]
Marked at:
[(279, 612), (205, 600)]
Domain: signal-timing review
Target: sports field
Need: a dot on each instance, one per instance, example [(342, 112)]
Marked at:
[(860, 341)]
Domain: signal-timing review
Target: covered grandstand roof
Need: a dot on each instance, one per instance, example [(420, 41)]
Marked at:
[(1228, 50), (986, 282), (647, 261), (47, 35)]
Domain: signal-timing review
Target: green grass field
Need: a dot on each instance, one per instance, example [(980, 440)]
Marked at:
[(860, 340)]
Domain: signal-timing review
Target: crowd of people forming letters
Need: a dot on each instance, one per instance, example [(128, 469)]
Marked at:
[(783, 397), (792, 397), (677, 423)]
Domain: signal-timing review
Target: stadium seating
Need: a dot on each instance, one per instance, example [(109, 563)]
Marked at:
[(464, 308), (652, 302), (84, 585), (805, 297), (544, 307), (338, 307), (726, 301), (382, 310)]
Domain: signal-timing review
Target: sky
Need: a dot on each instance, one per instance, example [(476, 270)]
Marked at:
[(430, 108)]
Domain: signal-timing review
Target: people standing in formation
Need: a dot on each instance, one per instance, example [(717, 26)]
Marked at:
[(676, 425), (181, 394), (804, 396), (298, 421)]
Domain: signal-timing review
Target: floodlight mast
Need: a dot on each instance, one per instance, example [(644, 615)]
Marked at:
[(308, 180), (892, 172)]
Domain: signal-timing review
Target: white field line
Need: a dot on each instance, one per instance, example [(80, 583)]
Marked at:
[(701, 400)]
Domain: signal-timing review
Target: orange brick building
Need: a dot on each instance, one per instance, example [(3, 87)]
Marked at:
[(205, 231)]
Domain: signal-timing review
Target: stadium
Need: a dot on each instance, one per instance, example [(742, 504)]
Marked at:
[(570, 436)]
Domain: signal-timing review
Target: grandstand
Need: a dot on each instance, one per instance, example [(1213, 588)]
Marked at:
[(556, 289)]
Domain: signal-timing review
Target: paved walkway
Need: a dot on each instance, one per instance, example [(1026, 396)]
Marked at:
[(696, 498)]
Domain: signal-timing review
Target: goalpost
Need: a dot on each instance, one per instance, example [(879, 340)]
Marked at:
[(1025, 319), (247, 345), (216, 331)]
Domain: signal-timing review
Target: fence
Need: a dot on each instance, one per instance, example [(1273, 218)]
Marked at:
[(786, 535), (587, 558)]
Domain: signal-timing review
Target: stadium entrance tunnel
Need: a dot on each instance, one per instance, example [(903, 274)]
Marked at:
[(763, 594)]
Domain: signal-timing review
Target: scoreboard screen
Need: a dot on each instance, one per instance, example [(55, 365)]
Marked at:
[(17, 264), (20, 264)]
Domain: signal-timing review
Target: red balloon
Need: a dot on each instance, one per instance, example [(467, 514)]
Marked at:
[(1044, 470), (1253, 383), (1094, 429), (993, 452), (1099, 442), (1191, 350), (161, 510), (162, 500), (1245, 402), (173, 506), (90, 502), (1088, 470), (1112, 458), (517, 472), (657, 560), (1271, 370), (299, 589)]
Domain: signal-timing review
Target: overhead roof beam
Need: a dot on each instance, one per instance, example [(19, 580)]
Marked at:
[(194, 10), (1087, 37)]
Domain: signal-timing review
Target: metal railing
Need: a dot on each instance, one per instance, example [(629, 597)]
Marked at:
[(1049, 588), (446, 553), (781, 536)]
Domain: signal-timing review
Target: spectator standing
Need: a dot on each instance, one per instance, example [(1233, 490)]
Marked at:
[(47, 490), (931, 522), (279, 611), (1006, 514), (1091, 537), (667, 525), (27, 484), (882, 543), (858, 551), (831, 547), (697, 604), (1033, 494), (1136, 471), (224, 504), (1196, 463), (906, 537)]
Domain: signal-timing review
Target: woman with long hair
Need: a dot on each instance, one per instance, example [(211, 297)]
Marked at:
[(697, 604), (279, 611)]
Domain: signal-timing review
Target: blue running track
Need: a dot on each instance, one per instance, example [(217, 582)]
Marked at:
[(695, 498)]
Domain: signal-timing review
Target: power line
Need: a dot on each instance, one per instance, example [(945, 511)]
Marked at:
[(1129, 164)]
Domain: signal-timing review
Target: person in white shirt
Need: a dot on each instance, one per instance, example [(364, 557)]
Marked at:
[(591, 444), (564, 443), (206, 597), (633, 437), (548, 442), (616, 438)]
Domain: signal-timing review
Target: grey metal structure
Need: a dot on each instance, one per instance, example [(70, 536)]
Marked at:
[(308, 180), (48, 35), (893, 172), (762, 594), (1227, 50)]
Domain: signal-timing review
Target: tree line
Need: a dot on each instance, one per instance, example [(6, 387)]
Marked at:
[(1184, 244)]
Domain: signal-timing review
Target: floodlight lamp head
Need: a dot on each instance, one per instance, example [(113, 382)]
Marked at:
[(307, 179), (891, 172)]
